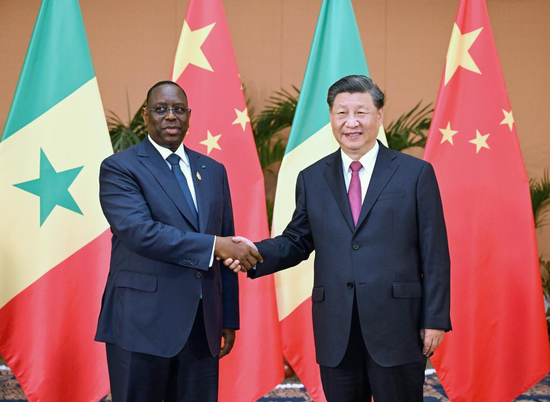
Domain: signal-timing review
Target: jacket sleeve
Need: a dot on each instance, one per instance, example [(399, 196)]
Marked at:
[(230, 280), (434, 253), (129, 216), (294, 245)]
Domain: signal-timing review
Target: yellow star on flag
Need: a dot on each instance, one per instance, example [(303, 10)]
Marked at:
[(458, 54), (189, 49), (242, 117), (508, 119), (211, 142), (447, 133), (480, 141)]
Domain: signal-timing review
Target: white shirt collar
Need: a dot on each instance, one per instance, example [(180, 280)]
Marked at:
[(165, 152), (366, 160)]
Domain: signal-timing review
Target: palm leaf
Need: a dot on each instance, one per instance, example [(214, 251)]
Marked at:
[(410, 129), (540, 198)]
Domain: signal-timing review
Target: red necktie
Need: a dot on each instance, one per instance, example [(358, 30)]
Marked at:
[(354, 191)]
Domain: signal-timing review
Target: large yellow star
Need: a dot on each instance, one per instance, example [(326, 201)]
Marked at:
[(447, 133), (458, 54), (211, 142), (189, 49), (242, 117), (480, 141), (508, 119)]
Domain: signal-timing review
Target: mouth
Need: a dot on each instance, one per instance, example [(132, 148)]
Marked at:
[(352, 135), (172, 129)]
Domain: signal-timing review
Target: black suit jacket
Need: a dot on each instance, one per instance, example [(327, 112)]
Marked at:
[(160, 260), (396, 260)]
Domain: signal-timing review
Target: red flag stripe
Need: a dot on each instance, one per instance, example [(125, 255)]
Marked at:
[(67, 297)]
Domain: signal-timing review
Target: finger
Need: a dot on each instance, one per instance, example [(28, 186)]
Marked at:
[(254, 253), (234, 264), (218, 258), (225, 349), (245, 263), (428, 346), (238, 269)]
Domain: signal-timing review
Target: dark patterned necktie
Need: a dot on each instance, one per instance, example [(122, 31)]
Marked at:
[(174, 160)]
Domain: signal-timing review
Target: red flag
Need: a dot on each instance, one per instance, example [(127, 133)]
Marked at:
[(205, 67), (499, 344)]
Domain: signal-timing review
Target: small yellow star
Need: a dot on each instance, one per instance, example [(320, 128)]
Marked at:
[(242, 117), (189, 49), (480, 141), (508, 119), (211, 142), (447, 133), (458, 54)]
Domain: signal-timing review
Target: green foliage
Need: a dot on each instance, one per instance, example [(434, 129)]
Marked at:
[(410, 129), (277, 116), (540, 198), (125, 135)]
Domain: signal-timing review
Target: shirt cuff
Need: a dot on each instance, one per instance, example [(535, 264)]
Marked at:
[(212, 254)]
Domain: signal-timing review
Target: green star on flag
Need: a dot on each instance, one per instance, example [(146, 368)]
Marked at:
[(52, 187)]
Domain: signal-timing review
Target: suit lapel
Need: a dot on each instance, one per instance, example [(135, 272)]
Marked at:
[(384, 168), (154, 162), (202, 185), (335, 178)]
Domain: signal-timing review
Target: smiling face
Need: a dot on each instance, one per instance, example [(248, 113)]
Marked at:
[(355, 122), (167, 130)]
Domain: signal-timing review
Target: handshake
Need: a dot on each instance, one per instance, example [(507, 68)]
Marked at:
[(238, 253)]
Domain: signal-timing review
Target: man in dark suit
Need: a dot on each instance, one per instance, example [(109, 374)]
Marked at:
[(381, 273), (167, 303)]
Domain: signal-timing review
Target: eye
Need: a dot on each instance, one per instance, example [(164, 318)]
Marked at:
[(161, 109), (180, 110)]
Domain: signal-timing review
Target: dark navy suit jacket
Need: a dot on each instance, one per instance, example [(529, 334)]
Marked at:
[(160, 260), (396, 260)]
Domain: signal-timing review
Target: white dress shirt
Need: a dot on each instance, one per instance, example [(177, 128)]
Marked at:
[(186, 169), (365, 173)]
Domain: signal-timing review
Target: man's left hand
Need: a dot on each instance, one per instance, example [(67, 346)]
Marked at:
[(431, 338), (228, 335)]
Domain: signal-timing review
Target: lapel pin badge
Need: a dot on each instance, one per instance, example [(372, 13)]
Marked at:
[(203, 166), (199, 176)]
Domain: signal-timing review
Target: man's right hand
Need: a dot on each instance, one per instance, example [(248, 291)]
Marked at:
[(237, 251)]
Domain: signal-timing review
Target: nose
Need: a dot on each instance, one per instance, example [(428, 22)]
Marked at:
[(351, 121), (170, 115)]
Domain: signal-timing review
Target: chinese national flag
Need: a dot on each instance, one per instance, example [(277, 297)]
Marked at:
[(499, 344), (206, 69)]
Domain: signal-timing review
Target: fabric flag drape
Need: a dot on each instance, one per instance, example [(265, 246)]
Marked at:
[(499, 344), (336, 51), (206, 69), (55, 245)]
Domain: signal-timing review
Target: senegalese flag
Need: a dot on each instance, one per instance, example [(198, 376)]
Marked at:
[(206, 68), (55, 248), (336, 52)]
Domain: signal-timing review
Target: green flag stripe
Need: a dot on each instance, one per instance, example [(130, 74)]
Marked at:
[(57, 63), (336, 51)]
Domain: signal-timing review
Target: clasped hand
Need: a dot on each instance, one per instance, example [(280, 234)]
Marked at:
[(238, 253)]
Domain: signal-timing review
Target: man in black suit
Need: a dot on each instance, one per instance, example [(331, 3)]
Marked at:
[(381, 273), (168, 302)]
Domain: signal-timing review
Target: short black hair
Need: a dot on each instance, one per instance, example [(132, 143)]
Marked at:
[(356, 84), (160, 83)]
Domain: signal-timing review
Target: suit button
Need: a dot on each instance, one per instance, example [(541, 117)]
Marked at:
[(350, 285), (355, 246), (198, 275)]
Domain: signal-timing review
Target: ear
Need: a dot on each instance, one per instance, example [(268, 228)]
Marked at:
[(381, 115), (145, 115)]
